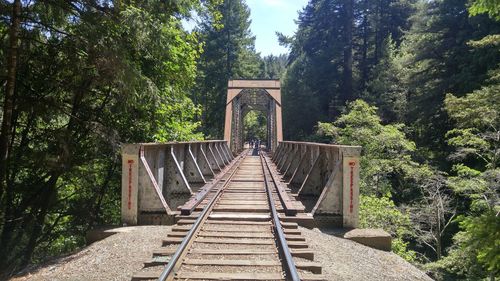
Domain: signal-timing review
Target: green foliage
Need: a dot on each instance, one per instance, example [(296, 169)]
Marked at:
[(386, 89), (475, 253), (386, 149), (491, 7), (229, 53), (254, 124), (381, 212), (317, 77), (478, 119), (273, 67), (90, 75), (175, 120), (437, 59)]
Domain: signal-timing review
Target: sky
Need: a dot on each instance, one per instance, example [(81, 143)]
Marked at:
[(269, 16)]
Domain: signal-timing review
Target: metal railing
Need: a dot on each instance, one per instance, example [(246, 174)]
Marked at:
[(325, 177), (159, 177)]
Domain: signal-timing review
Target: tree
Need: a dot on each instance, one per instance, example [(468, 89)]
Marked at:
[(335, 50), (491, 7), (386, 155), (388, 173), (90, 75), (433, 214), (273, 67), (386, 89), (8, 104), (381, 212), (254, 125), (229, 53), (476, 178), (437, 60)]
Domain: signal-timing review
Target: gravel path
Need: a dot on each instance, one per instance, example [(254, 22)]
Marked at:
[(343, 259), (117, 257)]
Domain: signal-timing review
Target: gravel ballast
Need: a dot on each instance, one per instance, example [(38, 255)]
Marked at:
[(119, 256), (343, 259)]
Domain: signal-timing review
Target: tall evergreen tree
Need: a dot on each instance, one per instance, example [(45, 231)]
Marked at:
[(439, 60), (229, 53), (337, 46), (88, 75), (273, 67)]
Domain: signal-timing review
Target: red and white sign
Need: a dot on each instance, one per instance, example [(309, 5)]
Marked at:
[(129, 202)]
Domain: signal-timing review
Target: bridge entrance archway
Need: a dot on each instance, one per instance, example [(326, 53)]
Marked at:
[(244, 96)]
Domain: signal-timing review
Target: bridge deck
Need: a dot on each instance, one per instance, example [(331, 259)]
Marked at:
[(237, 240)]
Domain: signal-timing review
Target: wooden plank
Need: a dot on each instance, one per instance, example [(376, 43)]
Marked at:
[(242, 208), (226, 222), (235, 241), (292, 231), (303, 253), (301, 218), (185, 221), (177, 234), (295, 237), (242, 202), (244, 195), (259, 205), (240, 216), (170, 241), (312, 277), (287, 203), (230, 276), (297, 245), (313, 267), (235, 235), (156, 262), (232, 252), (289, 225), (164, 252), (236, 229), (181, 228), (244, 190), (231, 262), (208, 188), (248, 180)]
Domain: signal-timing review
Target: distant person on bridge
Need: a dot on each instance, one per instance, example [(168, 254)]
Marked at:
[(256, 148)]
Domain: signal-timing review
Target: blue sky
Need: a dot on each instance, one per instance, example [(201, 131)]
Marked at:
[(269, 16)]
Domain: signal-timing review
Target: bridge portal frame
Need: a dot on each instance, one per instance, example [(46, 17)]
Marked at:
[(233, 125)]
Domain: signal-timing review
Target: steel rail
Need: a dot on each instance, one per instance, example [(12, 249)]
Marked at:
[(203, 193), (169, 269), (291, 269), (288, 211)]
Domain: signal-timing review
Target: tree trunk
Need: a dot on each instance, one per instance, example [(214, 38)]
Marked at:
[(8, 104), (378, 23), (98, 198), (364, 58), (347, 72), (39, 222), (228, 46)]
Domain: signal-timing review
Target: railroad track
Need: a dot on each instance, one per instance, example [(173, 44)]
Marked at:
[(235, 231)]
